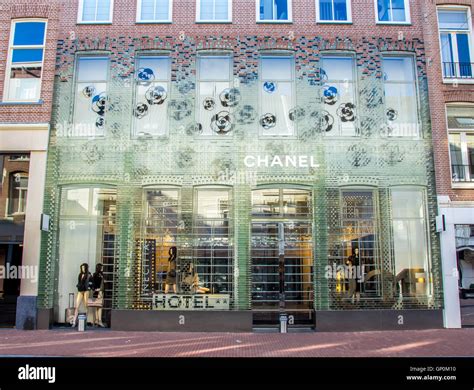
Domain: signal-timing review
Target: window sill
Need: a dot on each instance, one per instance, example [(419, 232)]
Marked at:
[(394, 23), (154, 22), (274, 22), (20, 103), (108, 22), (468, 185), (334, 21), (213, 21), (458, 81)]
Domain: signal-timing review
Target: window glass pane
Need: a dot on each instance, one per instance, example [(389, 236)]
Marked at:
[(338, 68), (407, 203), (325, 10), (92, 68), (464, 57), (398, 10), (148, 9), (214, 68), (266, 203), (27, 55), (470, 152), (162, 10), (24, 83), (453, 20), (398, 69), (281, 9), (75, 201), (29, 33), (274, 10), (212, 204), (447, 55), (460, 117), (383, 9), (277, 68), (207, 9), (221, 10), (88, 11), (401, 97), (340, 9), (103, 10)]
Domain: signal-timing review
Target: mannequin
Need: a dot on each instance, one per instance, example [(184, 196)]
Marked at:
[(84, 284), (99, 288), (171, 271), (353, 261), (195, 284)]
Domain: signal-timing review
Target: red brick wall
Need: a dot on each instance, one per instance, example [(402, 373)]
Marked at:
[(12, 9), (440, 94)]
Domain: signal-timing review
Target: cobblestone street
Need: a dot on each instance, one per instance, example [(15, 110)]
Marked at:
[(105, 343)]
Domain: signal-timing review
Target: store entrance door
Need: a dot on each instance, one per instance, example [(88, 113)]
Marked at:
[(282, 272)]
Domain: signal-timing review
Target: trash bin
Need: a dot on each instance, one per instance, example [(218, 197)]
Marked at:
[(82, 322), (283, 323)]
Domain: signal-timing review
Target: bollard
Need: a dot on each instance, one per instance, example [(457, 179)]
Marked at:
[(283, 323), (82, 322)]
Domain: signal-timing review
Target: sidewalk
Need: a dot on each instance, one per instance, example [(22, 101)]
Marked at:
[(105, 343)]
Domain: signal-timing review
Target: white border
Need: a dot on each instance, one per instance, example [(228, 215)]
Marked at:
[(229, 14), (290, 14), (170, 14), (407, 14), (6, 85), (81, 9), (348, 10)]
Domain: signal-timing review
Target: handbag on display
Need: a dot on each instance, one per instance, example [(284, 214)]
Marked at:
[(96, 302)]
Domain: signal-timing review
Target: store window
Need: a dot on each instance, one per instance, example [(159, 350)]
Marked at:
[(277, 95), (358, 246), (18, 187), (461, 142), (25, 61), (401, 99), (91, 96), (95, 11), (216, 96), (154, 11), (274, 10), (338, 95), (393, 11), (213, 256), (88, 217), (455, 31), (412, 265), (152, 88), (465, 261), (335, 11), (214, 10), (284, 203)]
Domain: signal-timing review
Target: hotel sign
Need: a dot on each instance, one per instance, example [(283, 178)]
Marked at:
[(191, 302)]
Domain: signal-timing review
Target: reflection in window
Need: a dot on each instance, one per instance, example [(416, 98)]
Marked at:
[(91, 96), (392, 11), (291, 203), (152, 83), (334, 10), (277, 81), (216, 97), (401, 103), (213, 247), (88, 217), (337, 74), (26, 61), (18, 192), (160, 225), (412, 268), (461, 142), (275, 10)]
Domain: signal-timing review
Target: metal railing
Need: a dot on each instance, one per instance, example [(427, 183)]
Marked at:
[(458, 70), (462, 173)]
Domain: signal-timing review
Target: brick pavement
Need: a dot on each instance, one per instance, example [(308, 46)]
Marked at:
[(105, 343)]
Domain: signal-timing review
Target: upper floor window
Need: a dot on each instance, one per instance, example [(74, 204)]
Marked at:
[(337, 74), (274, 10), (215, 96), (333, 11), (393, 11), (18, 192), (277, 95), (456, 43), (214, 10), (401, 100), (95, 11), (91, 96), (154, 11), (25, 61), (461, 142), (151, 92)]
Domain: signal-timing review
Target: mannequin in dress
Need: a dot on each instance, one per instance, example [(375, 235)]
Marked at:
[(171, 271), (84, 284), (353, 261), (99, 288)]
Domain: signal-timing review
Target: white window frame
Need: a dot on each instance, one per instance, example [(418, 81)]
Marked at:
[(11, 47), (81, 11), (290, 14), (463, 133), (229, 14), (22, 194), (170, 13), (470, 32), (407, 14), (348, 10)]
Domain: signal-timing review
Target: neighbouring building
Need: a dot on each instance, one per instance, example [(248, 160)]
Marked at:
[(27, 60), (282, 149), (449, 41)]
